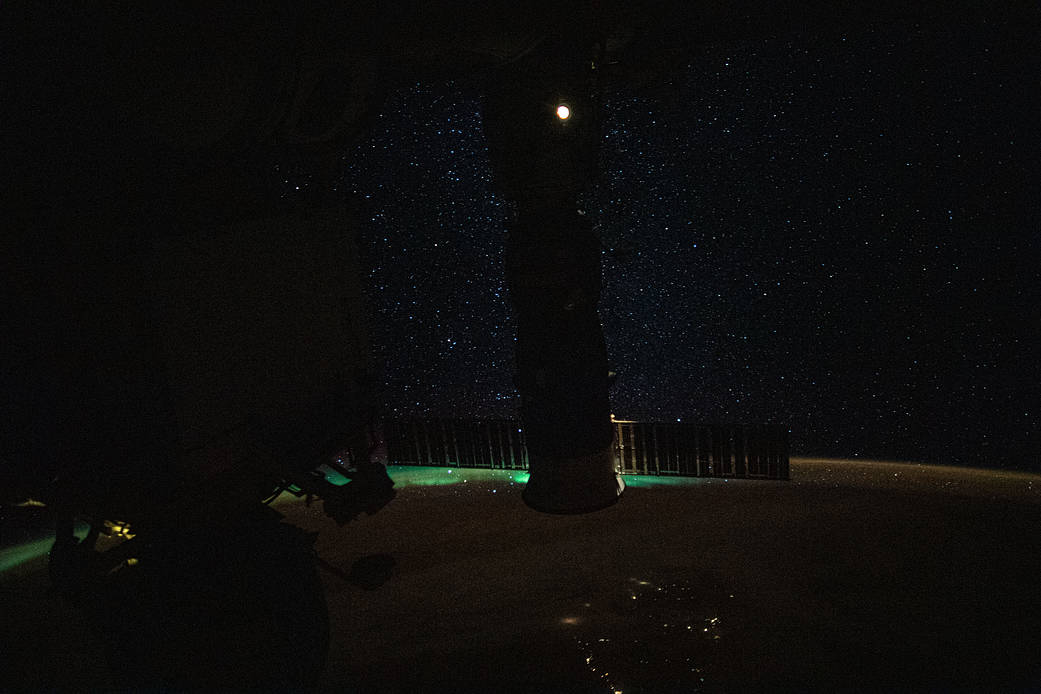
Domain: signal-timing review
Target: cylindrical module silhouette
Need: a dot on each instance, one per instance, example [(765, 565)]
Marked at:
[(543, 131)]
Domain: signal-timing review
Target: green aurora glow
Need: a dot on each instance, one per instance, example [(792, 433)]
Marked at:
[(403, 476), (426, 476), (18, 555)]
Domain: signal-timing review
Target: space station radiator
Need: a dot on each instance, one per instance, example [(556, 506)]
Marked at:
[(641, 448)]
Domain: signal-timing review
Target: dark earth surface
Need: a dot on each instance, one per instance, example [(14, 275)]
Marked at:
[(855, 575)]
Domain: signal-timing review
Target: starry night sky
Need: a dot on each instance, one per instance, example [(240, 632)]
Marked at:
[(841, 234)]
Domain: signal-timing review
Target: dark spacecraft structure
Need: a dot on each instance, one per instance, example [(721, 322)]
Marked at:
[(175, 314), (183, 338), (184, 333)]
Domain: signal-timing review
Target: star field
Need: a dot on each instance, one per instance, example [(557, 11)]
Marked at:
[(839, 234)]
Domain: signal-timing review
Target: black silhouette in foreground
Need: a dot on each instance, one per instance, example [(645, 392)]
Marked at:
[(185, 339)]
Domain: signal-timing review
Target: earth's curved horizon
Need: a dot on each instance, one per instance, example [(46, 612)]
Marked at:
[(854, 575)]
